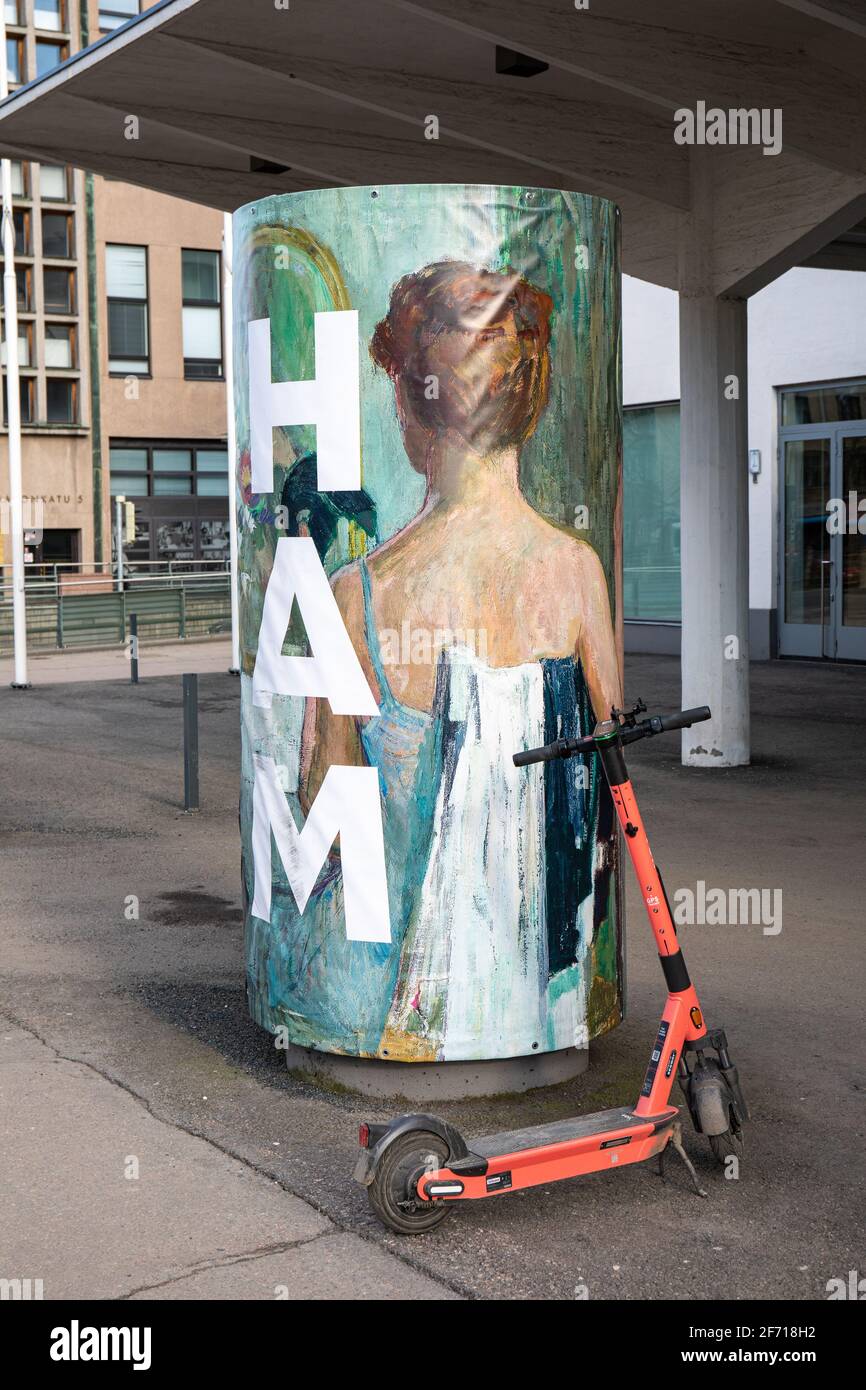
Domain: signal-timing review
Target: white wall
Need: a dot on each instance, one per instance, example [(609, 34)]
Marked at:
[(810, 325)]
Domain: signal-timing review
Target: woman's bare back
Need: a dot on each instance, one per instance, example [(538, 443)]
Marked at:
[(513, 594)]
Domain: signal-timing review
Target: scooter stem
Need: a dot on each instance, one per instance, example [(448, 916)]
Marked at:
[(682, 1020)]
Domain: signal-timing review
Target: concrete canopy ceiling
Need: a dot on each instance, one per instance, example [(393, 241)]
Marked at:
[(236, 99)]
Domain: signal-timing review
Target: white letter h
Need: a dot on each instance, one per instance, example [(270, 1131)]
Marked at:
[(330, 401)]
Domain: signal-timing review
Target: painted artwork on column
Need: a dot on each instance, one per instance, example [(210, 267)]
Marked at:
[(429, 490)]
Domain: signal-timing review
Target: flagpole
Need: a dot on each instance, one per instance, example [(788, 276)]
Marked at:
[(13, 399)]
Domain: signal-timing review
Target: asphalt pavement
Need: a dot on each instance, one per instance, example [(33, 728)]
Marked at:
[(154, 1144)]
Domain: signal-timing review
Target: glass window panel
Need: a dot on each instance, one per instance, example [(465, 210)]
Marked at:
[(127, 335), (60, 397), (201, 276), (56, 234), (214, 486), (17, 179), (26, 392), (12, 12), (651, 513), (807, 484), (48, 56), (58, 291), (853, 540), (47, 14), (201, 334), (126, 272), (116, 12), (24, 281), (127, 459), (58, 345), (172, 461), (23, 349), (21, 224), (13, 59), (172, 487), (819, 405), (53, 184), (214, 539), (212, 460), (128, 487), (175, 540)]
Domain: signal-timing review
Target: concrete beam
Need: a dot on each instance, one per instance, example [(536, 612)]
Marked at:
[(771, 214), (600, 145), (672, 67), (842, 14)]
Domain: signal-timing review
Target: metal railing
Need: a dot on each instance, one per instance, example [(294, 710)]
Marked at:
[(41, 579), (71, 605)]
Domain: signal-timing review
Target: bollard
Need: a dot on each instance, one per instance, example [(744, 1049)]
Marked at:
[(190, 742), (133, 648)]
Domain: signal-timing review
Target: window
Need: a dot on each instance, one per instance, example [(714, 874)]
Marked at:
[(49, 14), (126, 283), (202, 319), (49, 55), (57, 235), (128, 468), (651, 513), (62, 400), (212, 478), (822, 405), (19, 178), (172, 472), (13, 11), (15, 59), (27, 392), (21, 222), (180, 490), (170, 469), (24, 277), (25, 337), (54, 183), (59, 345), (113, 13), (58, 291)]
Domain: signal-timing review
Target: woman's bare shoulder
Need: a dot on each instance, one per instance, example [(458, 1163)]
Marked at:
[(572, 559), (349, 593)]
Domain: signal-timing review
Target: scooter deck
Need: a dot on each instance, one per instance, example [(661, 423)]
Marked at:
[(512, 1141), (519, 1158)]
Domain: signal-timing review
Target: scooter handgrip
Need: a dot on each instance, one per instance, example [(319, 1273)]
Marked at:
[(685, 718), (560, 748), (540, 755)]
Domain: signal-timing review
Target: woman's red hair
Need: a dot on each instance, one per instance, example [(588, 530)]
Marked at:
[(470, 347)]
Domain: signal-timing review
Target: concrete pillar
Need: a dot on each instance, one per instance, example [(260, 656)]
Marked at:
[(714, 516)]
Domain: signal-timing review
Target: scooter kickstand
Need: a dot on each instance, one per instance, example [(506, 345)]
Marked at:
[(676, 1141)]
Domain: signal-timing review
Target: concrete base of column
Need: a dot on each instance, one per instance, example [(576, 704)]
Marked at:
[(425, 1083)]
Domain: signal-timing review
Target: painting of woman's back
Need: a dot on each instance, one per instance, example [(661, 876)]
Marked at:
[(476, 576)]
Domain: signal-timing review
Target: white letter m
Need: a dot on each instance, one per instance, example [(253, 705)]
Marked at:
[(347, 805)]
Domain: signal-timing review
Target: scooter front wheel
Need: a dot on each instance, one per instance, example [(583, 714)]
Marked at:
[(392, 1193), (729, 1144)]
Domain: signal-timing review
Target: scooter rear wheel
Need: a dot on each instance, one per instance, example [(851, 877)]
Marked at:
[(392, 1193)]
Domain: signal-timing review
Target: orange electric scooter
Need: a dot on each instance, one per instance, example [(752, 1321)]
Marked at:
[(417, 1166)]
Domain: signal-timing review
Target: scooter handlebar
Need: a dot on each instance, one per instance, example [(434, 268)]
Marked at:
[(561, 748), (567, 747), (684, 720)]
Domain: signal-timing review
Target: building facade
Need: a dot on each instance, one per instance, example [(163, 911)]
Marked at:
[(807, 464), (120, 344)]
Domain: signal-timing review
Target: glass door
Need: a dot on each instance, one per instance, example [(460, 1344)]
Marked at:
[(850, 545), (823, 543), (805, 544)]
